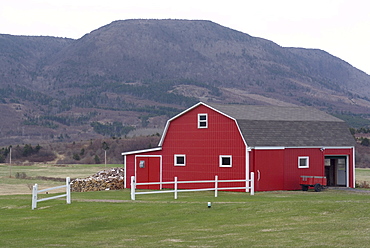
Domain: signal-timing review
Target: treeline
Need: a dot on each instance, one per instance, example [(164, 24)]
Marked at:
[(25, 152), (159, 91), (359, 130), (115, 129), (101, 94), (39, 121), (4, 154), (93, 151), (96, 97), (357, 122), (363, 130), (19, 93), (78, 152), (364, 141), (48, 120)]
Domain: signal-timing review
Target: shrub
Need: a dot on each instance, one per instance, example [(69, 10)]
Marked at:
[(363, 184), (76, 156), (365, 142), (2, 159), (20, 175), (96, 159)]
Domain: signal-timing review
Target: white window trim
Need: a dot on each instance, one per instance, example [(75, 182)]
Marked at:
[(201, 121), (307, 164), (175, 159), (226, 156)]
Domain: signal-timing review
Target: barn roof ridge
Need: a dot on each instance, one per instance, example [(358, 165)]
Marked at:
[(273, 113)]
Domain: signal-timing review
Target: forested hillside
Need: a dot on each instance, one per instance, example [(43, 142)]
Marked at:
[(128, 77)]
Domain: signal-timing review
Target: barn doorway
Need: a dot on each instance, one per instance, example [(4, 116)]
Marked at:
[(148, 170), (336, 170)]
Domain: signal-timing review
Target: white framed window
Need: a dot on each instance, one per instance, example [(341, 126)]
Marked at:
[(202, 121), (179, 160), (226, 161), (303, 162)]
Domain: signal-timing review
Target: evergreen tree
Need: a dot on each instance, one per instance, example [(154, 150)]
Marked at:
[(365, 142)]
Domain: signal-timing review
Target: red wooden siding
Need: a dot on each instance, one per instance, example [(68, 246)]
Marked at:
[(131, 161), (202, 147), (292, 172), (269, 169), (150, 172), (278, 169)]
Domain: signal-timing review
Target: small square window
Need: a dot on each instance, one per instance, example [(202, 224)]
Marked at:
[(202, 121), (142, 164), (303, 162), (180, 160), (226, 161)]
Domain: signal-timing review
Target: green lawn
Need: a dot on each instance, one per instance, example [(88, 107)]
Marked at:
[(363, 174), (332, 218)]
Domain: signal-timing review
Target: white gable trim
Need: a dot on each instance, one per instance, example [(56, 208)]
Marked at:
[(269, 148), (353, 167), (299, 147), (142, 151), (124, 171)]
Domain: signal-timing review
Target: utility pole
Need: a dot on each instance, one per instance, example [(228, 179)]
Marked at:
[(10, 161), (105, 158), (105, 148)]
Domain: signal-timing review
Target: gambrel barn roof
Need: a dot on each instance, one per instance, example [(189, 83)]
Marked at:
[(287, 126)]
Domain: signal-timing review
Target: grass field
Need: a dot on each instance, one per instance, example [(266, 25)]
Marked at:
[(363, 174), (331, 218), (12, 185)]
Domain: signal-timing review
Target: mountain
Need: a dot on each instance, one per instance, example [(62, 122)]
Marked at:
[(138, 73)]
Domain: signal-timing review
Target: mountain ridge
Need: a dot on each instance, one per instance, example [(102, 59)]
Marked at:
[(141, 72)]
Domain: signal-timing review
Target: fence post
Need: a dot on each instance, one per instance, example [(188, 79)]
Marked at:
[(68, 190), (252, 183), (34, 196), (133, 188), (216, 185), (247, 184), (175, 179)]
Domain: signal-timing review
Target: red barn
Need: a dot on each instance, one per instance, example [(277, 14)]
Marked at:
[(278, 144)]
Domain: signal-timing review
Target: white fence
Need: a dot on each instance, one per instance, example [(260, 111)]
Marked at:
[(35, 191), (249, 186)]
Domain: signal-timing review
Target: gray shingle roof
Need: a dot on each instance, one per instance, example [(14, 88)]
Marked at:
[(288, 126), (276, 113)]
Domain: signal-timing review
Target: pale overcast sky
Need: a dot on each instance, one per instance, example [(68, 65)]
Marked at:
[(340, 27)]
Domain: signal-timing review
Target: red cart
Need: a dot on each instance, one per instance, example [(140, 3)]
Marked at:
[(317, 182)]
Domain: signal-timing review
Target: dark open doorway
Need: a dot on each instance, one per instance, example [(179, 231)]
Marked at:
[(336, 170)]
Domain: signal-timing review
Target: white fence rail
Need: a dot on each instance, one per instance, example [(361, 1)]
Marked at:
[(249, 186), (35, 191)]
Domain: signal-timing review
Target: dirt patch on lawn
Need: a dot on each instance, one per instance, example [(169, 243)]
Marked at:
[(11, 189), (24, 189)]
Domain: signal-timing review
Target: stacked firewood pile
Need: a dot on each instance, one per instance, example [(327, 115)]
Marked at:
[(111, 179)]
